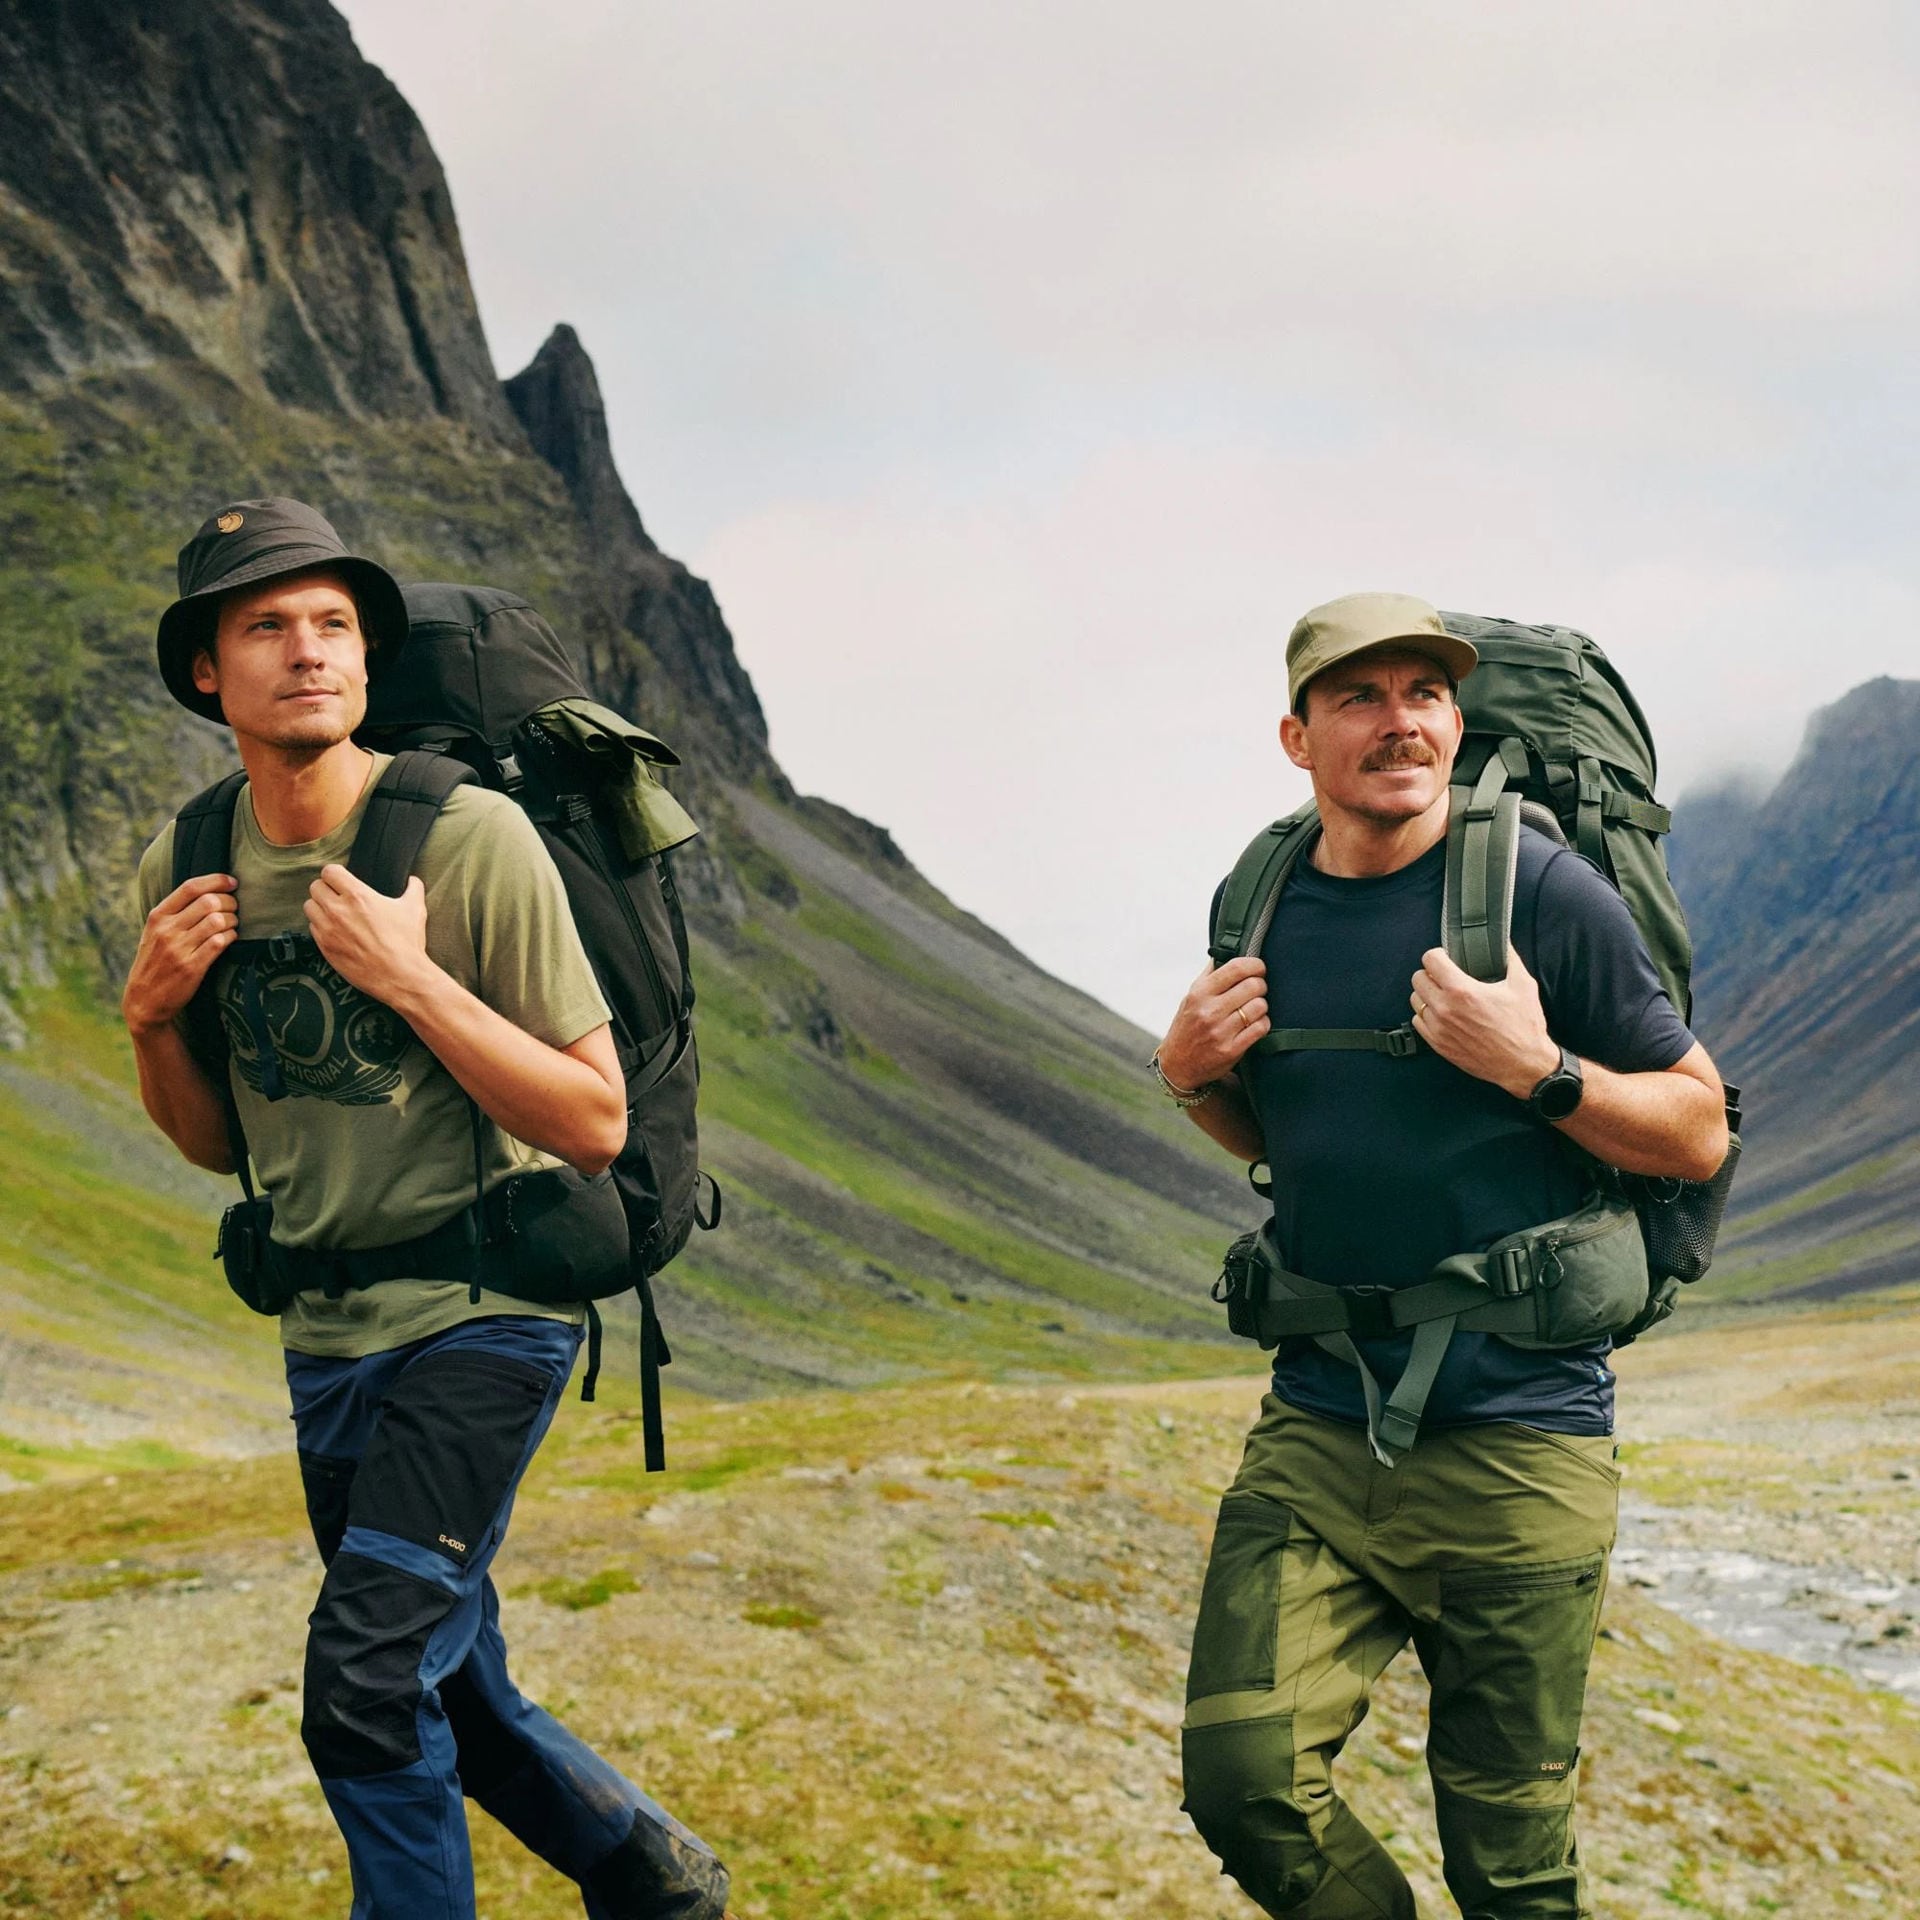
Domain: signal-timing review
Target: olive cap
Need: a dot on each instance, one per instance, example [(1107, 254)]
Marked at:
[(245, 543), (1358, 621)]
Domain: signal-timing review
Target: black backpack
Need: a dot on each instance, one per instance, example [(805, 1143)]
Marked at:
[(484, 691)]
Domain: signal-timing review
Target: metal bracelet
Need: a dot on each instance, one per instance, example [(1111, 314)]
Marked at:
[(1181, 1097)]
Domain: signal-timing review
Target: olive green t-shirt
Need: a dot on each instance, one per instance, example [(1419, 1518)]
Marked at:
[(373, 1140)]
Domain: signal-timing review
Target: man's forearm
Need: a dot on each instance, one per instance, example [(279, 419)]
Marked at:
[(528, 1089), (179, 1098), (1227, 1119), (1671, 1124)]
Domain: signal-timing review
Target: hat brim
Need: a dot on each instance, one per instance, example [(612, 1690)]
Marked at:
[(1458, 656), (186, 627)]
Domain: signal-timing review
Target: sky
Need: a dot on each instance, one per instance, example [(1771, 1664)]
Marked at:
[(1018, 373)]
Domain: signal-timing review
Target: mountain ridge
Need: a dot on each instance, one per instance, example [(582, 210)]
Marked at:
[(1802, 898), (937, 1158)]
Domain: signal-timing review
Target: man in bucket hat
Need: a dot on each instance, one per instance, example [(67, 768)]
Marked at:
[(383, 1057), (1482, 1537)]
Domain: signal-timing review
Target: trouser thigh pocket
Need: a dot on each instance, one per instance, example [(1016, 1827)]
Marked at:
[(1508, 1662), (327, 1483), (1236, 1636), (454, 1434)]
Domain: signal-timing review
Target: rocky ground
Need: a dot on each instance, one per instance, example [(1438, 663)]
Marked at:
[(920, 1651)]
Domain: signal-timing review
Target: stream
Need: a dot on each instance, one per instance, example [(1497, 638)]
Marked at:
[(1866, 1624)]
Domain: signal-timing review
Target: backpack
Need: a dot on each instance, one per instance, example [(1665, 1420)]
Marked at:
[(1553, 736), (484, 691), (1554, 740)]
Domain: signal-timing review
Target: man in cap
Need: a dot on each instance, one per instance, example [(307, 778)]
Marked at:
[(1485, 1542), (381, 1057)]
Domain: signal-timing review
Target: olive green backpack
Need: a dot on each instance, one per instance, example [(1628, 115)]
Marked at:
[(1555, 740), (1553, 737)]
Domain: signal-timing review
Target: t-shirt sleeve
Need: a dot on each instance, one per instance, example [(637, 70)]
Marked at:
[(154, 881), (1603, 997), (532, 968)]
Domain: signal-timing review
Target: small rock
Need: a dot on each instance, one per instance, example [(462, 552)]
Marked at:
[(1700, 1756), (1067, 1402), (100, 1726), (1645, 1577), (1903, 1473), (319, 1876), (703, 1559), (235, 1855), (723, 1733), (243, 1586), (1660, 1722), (1164, 1421)]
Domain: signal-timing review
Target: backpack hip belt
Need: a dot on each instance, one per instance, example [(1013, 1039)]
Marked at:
[(550, 1237), (1560, 1284)]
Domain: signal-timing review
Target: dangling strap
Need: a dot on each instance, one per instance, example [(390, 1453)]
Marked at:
[(273, 1085), (654, 1355), (592, 1378), (1393, 1424)]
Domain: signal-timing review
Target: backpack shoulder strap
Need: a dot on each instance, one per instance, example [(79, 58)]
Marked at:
[(203, 843), (203, 830), (400, 814), (1483, 851), (1252, 892), (1245, 916)]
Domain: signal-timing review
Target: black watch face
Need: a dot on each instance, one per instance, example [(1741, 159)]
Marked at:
[(1558, 1095)]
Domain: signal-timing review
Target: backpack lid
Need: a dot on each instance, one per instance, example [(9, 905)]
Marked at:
[(477, 658)]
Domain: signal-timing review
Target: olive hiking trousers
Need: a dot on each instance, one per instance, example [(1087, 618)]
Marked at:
[(1487, 1548)]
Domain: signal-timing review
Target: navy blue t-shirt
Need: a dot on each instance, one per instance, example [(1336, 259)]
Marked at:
[(1384, 1167)]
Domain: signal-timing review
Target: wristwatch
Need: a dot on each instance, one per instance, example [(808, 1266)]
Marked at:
[(1556, 1097)]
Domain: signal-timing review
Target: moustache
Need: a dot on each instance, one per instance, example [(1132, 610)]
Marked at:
[(1406, 753)]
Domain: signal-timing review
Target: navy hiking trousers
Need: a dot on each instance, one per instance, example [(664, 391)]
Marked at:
[(410, 1460)]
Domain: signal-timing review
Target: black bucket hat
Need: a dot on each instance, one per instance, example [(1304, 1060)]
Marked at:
[(250, 541)]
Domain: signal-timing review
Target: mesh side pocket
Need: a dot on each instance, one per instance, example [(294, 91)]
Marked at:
[(1242, 1287), (1681, 1218)]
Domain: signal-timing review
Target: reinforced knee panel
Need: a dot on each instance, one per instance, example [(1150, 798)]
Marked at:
[(367, 1639)]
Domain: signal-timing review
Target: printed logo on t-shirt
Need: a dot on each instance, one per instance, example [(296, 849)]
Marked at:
[(333, 1042)]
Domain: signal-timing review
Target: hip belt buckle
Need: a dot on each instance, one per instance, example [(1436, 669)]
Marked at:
[(1370, 1313), (1510, 1271)]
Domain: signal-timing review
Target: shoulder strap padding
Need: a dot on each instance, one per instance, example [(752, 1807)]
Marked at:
[(400, 814), (1483, 849), (203, 830), (1252, 892)]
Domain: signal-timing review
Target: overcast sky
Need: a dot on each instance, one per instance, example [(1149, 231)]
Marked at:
[(1018, 372)]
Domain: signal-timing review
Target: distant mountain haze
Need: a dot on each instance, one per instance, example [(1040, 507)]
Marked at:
[(1804, 899), (229, 266)]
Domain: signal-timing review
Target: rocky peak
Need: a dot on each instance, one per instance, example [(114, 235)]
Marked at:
[(650, 596), (556, 397), (232, 184)]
